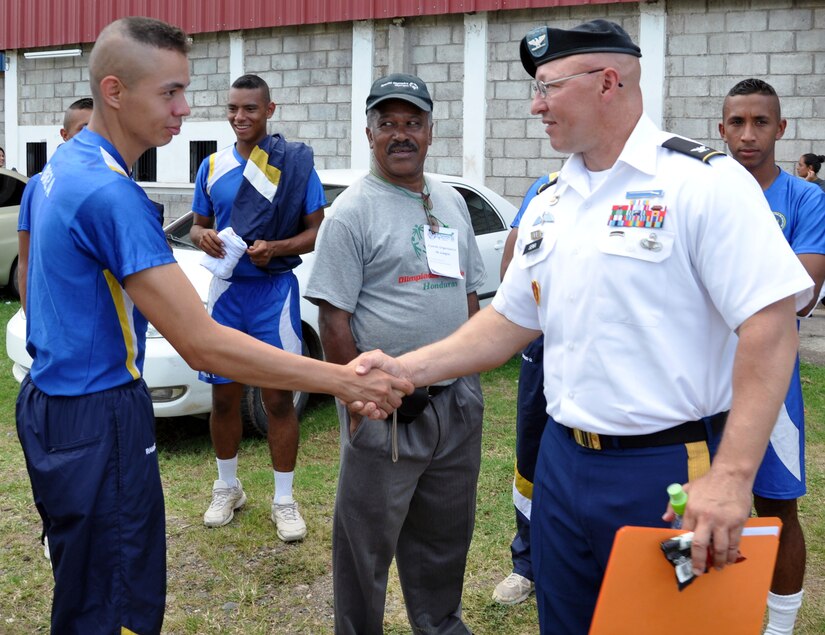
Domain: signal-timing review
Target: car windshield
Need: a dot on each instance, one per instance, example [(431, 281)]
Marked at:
[(177, 232)]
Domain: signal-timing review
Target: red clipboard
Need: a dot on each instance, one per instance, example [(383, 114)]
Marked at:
[(639, 594)]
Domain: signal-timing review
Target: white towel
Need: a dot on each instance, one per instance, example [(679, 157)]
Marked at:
[(233, 246)]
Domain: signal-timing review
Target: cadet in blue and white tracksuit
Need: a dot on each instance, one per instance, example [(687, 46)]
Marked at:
[(267, 192), (84, 415)]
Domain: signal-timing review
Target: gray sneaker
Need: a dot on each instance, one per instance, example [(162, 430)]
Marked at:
[(513, 589), (289, 522), (225, 500)]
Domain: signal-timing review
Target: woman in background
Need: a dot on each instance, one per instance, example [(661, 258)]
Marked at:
[(808, 166)]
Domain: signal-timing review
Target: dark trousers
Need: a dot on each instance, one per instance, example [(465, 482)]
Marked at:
[(520, 547), (420, 509), (531, 417), (93, 467), (581, 498)]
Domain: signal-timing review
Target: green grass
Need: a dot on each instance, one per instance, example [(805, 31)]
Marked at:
[(242, 579)]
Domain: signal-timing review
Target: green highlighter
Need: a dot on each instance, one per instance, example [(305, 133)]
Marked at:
[(678, 501)]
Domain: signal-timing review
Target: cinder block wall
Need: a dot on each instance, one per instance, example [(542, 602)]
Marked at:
[(209, 74), (48, 86), (309, 70), (711, 44)]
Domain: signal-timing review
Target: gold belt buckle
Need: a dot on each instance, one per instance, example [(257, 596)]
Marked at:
[(587, 439)]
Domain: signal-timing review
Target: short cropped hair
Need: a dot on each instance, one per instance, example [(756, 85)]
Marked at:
[(253, 82), (84, 103), (156, 33), (753, 86)]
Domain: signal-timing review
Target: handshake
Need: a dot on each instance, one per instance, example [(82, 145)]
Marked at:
[(375, 384)]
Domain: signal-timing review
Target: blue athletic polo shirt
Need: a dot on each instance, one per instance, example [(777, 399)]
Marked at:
[(216, 186), (91, 227), (799, 208)]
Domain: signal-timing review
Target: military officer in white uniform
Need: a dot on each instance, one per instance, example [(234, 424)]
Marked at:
[(667, 297)]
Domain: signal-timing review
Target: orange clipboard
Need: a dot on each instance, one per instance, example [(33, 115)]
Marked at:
[(639, 594)]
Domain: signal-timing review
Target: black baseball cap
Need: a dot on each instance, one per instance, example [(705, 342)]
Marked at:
[(545, 43), (400, 86)]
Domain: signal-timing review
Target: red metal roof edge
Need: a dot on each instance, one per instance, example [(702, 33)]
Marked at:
[(27, 24)]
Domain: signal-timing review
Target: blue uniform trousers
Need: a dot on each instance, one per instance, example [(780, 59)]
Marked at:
[(580, 498), (93, 467), (531, 416)]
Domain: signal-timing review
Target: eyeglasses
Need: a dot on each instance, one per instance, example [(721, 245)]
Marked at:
[(542, 88)]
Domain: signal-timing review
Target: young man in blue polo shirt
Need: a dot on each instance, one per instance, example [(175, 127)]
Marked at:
[(260, 296), (99, 268), (751, 125)]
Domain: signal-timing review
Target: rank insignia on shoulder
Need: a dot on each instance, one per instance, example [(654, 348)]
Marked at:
[(691, 148), (551, 180)]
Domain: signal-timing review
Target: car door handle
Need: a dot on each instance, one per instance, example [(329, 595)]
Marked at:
[(499, 245)]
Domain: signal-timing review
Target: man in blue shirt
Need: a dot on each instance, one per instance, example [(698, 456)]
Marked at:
[(99, 268), (751, 125), (278, 221)]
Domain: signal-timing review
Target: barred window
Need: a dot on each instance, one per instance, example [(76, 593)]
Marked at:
[(198, 151), (35, 157), (146, 167)]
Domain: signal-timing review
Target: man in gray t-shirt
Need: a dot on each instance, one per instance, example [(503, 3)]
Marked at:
[(397, 267)]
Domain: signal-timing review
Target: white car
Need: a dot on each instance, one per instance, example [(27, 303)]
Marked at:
[(174, 386), (12, 184)]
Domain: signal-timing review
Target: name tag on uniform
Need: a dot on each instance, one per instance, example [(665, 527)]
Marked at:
[(531, 247)]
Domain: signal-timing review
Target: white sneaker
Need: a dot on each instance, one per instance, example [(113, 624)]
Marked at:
[(289, 522), (513, 589), (225, 500)]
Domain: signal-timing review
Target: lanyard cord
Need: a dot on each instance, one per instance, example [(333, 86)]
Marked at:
[(422, 197)]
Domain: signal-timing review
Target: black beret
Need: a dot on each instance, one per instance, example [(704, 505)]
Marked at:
[(544, 43)]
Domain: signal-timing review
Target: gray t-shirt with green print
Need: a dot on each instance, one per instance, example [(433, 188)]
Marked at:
[(371, 261)]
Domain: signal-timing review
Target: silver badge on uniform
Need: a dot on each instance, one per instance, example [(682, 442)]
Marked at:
[(651, 243)]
